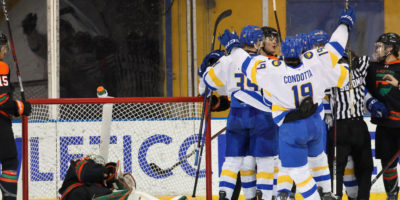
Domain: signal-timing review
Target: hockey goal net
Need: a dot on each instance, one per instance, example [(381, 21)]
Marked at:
[(141, 131)]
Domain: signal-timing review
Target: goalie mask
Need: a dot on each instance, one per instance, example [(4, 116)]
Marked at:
[(386, 45)]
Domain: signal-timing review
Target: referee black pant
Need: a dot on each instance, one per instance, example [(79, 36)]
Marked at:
[(352, 138)]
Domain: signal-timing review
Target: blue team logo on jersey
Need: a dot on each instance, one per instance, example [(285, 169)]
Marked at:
[(308, 55), (276, 63)]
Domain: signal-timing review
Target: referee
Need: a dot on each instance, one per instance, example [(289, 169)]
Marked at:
[(352, 136)]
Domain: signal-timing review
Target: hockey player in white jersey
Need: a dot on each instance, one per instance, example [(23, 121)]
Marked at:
[(297, 87), (251, 131)]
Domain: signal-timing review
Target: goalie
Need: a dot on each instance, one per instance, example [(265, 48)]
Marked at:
[(90, 178)]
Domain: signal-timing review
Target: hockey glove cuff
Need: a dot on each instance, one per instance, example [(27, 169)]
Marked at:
[(348, 17), (377, 108), (229, 40), (209, 60)]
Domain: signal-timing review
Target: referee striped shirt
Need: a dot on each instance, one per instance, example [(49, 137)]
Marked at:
[(359, 72)]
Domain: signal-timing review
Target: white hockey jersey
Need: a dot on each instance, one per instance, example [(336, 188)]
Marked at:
[(226, 78), (288, 85)]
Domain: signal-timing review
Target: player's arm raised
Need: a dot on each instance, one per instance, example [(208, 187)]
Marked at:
[(335, 49)]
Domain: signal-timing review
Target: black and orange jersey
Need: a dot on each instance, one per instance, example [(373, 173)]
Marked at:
[(5, 88), (384, 92)]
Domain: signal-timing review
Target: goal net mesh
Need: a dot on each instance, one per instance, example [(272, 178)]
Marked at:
[(140, 133)]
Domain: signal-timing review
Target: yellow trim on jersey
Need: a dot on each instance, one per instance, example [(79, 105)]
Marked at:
[(266, 92), (247, 172), (278, 107), (343, 75), (334, 59), (320, 168), (229, 173), (254, 72), (284, 179), (214, 78), (265, 175), (348, 171), (304, 183)]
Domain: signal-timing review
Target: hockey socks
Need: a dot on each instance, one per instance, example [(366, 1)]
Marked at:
[(8, 184), (320, 171), (228, 176), (390, 180), (304, 181), (248, 177), (265, 176), (349, 179)]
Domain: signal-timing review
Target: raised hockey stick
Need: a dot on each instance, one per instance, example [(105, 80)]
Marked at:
[(277, 22), (351, 92), (156, 169), (13, 50), (220, 17), (387, 167)]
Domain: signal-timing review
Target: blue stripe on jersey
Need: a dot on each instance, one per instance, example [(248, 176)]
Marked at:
[(264, 187), (248, 184), (309, 192), (338, 47), (322, 178), (208, 85), (280, 117), (259, 98), (245, 65), (226, 184)]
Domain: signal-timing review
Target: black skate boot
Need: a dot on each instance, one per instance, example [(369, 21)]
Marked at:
[(222, 195)]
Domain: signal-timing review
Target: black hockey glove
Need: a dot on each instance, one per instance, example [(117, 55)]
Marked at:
[(29, 23), (220, 103), (111, 169), (305, 110)]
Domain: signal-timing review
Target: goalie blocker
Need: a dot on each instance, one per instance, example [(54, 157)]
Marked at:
[(91, 178)]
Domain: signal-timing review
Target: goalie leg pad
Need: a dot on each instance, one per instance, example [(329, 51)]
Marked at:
[(248, 177), (117, 195)]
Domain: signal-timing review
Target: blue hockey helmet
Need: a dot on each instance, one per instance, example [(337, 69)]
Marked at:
[(250, 35), (292, 47), (319, 37), (307, 42)]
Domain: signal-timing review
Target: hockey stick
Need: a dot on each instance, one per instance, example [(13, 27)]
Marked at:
[(387, 167), (334, 173), (156, 169), (277, 22), (222, 16), (351, 92), (201, 150), (13, 50), (106, 120)]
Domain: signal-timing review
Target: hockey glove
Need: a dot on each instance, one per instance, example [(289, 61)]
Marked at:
[(229, 40), (209, 60), (111, 169), (220, 103), (29, 23), (16, 108), (377, 108), (305, 110), (348, 17), (328, 121)]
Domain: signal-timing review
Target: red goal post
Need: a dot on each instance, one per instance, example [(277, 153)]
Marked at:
[(143, 131)]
